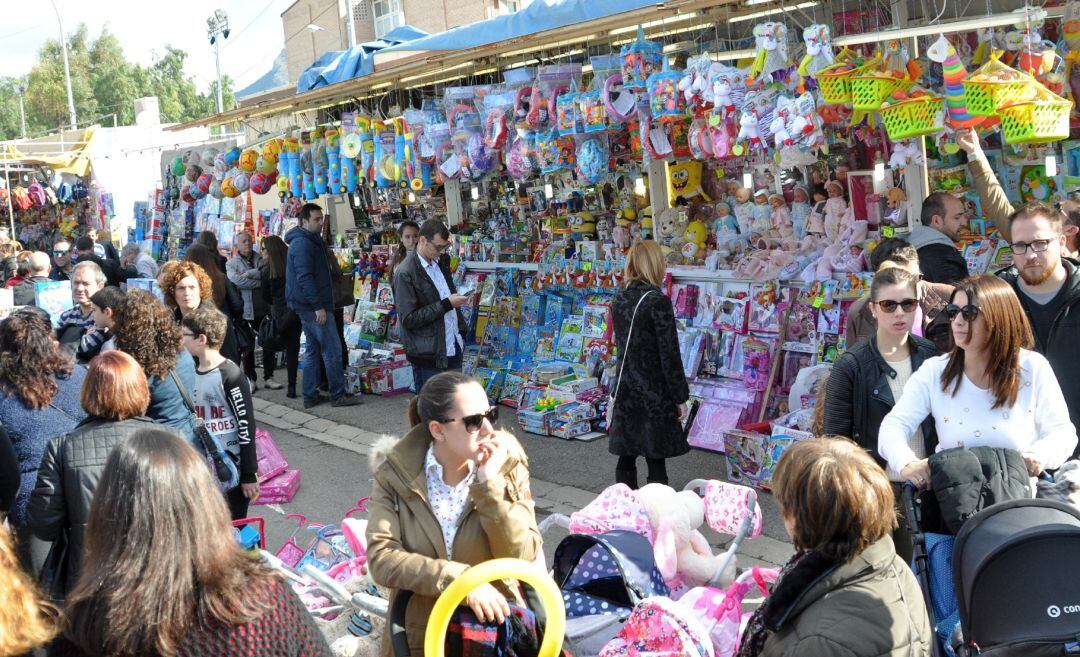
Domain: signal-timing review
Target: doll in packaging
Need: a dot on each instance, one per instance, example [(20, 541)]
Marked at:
[(835, 210), (800, 212), (744, 211), (781, 216)]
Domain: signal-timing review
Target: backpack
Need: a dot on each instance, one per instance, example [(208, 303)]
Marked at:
[(63, 193), (20, 198), (37, 195), (79, 191)]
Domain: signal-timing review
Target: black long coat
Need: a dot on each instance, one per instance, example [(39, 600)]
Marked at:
[(645, 421)]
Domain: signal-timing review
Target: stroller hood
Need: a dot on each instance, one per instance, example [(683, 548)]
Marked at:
[(1023, 551), (616, 566)]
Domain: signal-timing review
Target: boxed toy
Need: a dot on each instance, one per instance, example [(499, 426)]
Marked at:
[(745, 451), (532, 309), (54, 297), (574, 411), (535, 421), (513, 387), (271, 461), (597, 321), (570, 338), (570, 430), (573, 384), (279, 489)]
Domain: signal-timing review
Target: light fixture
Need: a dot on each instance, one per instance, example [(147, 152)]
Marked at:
[(748, 180), (946, 27), (770, 12), (475, 193), (879, 176), (639, 186), (549, 191), (412, 197), (1051, 165), (660, 23)]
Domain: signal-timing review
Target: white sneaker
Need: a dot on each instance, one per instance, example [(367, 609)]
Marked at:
[(252, 385), (271, 384)]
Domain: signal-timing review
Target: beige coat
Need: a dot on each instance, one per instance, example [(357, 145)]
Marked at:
[(406, 549)]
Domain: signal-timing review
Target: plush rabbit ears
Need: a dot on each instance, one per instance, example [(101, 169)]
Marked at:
[(729, 508)]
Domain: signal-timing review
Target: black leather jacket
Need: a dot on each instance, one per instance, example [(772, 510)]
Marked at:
[(858, 397), (69, 473)]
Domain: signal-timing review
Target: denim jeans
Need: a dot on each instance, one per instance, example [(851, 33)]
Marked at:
[(422, 374), (322, 349)]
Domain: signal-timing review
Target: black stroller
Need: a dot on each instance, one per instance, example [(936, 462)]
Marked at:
[(1015, 579)]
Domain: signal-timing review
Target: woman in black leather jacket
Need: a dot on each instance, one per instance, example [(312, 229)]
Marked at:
[(275, 254), (868, 378), (115, 396)]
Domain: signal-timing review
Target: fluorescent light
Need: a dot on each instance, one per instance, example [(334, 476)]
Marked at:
[(748, 180), (1051, 166), (639, 186), (548, 190), (412, 197), (733, 54), (660, 23), (950, 27), (475, 193), (773, 12), (688, 28)]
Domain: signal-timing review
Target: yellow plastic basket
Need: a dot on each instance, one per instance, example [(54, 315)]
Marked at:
[(835, 86), (984, 97), (913, 118), (868, 91), (1035, 121)]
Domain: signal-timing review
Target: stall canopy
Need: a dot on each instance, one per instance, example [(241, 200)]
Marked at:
[(61, 156), (340, 65)]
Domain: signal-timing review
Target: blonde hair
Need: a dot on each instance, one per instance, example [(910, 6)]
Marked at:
[(645, 262), (26, 619)]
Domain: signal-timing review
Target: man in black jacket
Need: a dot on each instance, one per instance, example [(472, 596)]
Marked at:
[(943, 220), (1048, 286), (114, 275), (427, 305), (26, 292)]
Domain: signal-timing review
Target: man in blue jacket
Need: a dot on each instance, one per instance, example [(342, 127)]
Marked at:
[(309, 291)]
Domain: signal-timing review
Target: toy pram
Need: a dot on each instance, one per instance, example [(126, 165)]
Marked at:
[(1006, 584)]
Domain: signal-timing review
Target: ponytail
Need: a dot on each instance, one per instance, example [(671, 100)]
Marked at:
[(414, 413), (435, 401)]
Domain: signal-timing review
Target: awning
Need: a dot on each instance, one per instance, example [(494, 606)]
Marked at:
[(63, 157), (340, 65)]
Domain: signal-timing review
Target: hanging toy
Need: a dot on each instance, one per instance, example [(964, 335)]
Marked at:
[(367, 131), (320, 161), (655, 139), (333, 156), (593, 159), (620, 102), (942, 51), (778, 126), (261, 183), (819, 50), (665, 101), (770, 39), (248, 159), (592, 112), (640, 59), (480, 158), (566, 121), (296, 176), (694, 81), (402, 161), (748, 131), (518, 163), (495, 129), (522, 106)]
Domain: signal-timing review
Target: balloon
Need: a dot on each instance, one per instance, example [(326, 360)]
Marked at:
[(248, 160), (489, 571)]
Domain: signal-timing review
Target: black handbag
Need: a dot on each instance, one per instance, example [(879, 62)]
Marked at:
[(217, 457), (54, 572), (269, 336), (245, 335)]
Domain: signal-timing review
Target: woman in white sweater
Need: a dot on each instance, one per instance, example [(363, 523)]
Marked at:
[(990, 390)]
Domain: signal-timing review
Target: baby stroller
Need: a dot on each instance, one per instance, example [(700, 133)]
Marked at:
[(1020, 547)]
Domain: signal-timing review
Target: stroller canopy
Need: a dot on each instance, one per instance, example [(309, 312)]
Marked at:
[(1025, 552), (606, 573)]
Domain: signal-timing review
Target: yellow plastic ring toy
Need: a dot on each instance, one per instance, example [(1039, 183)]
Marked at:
[(489, 571)]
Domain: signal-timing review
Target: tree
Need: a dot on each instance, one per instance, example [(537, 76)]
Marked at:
[(9, 108), (178, 97), (115, 81), (46, 94)]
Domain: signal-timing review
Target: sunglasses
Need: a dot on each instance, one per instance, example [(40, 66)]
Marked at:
[(441, 247), (889, 306), (60, 253), (473, 422), (969, 312)]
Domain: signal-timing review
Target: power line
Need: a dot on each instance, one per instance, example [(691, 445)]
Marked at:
[(22, 31), (245, 28)]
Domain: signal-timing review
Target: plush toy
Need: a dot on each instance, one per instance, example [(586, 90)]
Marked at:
[(682, 553), (896, 197), (603, 229), (684, 179), (819, 52), (748, 130), (670, 225), (905, 153), (620, 236), (695, 236), (772, 54), (582, 226)]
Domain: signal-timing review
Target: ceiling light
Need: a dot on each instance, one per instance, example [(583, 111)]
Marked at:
[(771, 12), (660, 23)]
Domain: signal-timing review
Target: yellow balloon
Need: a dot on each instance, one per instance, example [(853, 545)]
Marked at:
[(489, 571)]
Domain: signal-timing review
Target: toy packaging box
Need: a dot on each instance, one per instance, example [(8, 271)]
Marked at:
[(54, 297), (745, 451), (148, 284), (271, 461), (570, 430), (279, 489)]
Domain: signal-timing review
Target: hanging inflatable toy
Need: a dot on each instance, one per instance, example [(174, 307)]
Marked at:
[(260, 183), (518, 162), (185, 195), (271, 150), (522, 106), (620, 102), (177, 167), (369, 129), (942, 51), (665, 101), (333, 156), (563, 106), (192, 172), (592, 112), (248, 159), (240, 180), (203, 183), (402, 161), (320, 162), (385, 166), (640, 59), (593, 160)]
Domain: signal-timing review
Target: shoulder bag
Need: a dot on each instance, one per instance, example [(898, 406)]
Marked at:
[(217, 457), (622, 363)]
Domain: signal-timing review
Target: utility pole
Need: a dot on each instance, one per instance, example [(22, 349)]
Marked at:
[(67, 69), (216, 25), (350, 23)]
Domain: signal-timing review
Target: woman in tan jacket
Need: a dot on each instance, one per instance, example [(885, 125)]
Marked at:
[(452, 493)]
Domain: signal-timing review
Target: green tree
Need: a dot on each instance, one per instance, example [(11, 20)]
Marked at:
[(116, 81), (178, 97), (46, 94), (9, 108)]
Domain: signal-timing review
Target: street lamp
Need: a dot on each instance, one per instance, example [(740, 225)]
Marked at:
[(215, 25), (20, 90), (67, 69)]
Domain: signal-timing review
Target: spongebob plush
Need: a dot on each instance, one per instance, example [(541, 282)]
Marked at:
[(684, 179)]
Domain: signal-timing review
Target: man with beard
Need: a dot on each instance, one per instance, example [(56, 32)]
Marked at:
[(1048, 285), (943, 221)]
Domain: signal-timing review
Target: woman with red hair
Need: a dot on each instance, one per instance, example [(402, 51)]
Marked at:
[(115, 395)]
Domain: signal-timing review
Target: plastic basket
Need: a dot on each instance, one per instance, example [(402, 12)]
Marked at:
[(994, 84), (913, 118), (1035, 121), (868, 91), (835, 86)]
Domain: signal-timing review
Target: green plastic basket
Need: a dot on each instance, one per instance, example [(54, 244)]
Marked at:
[(915, 117), (868, 91)]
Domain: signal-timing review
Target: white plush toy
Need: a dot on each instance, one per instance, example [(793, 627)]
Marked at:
[(748, 130), (819, 53), (683, 556)]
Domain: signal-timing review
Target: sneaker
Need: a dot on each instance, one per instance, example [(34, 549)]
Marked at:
[(311, 402), (347, 400), (252, 385), (271, 384)]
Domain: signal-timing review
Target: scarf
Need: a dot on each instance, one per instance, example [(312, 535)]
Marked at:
[(517, 636), (796, 575)]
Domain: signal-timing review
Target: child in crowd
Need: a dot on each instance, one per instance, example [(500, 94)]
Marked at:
[(100, 337), (223, 401)]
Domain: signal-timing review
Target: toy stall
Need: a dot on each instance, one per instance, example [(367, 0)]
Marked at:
[(767, 163)]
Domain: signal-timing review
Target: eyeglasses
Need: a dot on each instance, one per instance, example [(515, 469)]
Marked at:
[(889, 306), (187, 334), (1038, 246), (969, 312), (473, 422), (441, 247)]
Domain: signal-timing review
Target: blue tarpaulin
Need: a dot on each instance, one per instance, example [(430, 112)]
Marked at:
[(338, 65), (540, 16)]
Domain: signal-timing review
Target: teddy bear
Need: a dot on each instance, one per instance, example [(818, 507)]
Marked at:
[(682, 553), (670, 225)]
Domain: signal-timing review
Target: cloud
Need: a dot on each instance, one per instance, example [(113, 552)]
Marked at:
[(144, 28)]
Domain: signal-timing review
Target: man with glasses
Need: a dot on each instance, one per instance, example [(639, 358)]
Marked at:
[(1048, 286), (427, 305), (61, 270), (943, 221), (310, 294)]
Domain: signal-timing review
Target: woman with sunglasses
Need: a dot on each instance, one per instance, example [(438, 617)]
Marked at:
[(452, 493), (867, 379), (990, 390)]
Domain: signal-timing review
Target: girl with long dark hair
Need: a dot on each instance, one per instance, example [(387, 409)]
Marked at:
[(163, 574), (275, 256), (990, 390)]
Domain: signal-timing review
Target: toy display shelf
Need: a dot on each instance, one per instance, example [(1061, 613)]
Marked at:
[(679, 273)]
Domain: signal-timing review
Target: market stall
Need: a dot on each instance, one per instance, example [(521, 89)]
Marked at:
[(767, 154)]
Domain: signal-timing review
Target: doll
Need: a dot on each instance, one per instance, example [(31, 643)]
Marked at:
[(800, 211), (732, 192), (725, 227), (762, 213), (850, 260), (781, 215), (835, 209), (744, 212), (603, 229)]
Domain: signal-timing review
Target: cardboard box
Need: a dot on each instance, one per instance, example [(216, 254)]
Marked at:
[(271, 461), (571, 430), (280, 489), (575, 411), (574, 384)]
